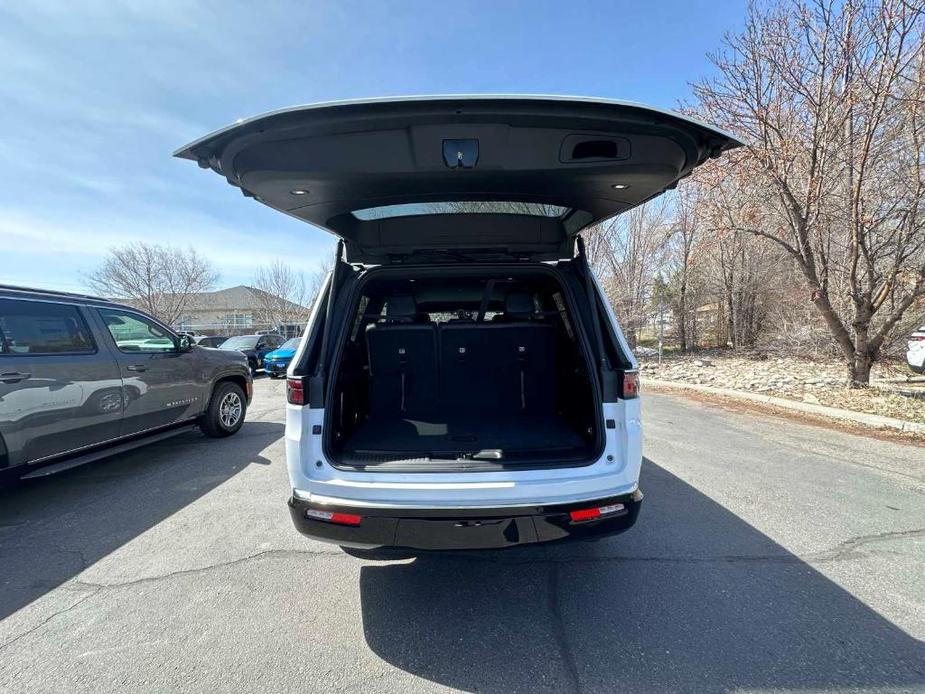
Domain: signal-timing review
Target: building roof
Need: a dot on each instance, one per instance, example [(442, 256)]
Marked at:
[(240, 297)]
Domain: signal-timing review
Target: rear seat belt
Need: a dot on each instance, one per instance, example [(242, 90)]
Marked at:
[(486, 297), (521, 359), (403, 361)]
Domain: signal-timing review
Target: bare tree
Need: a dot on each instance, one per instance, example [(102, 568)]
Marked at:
[(161, 280), (626, 253), (830, 97), (684, 236), (316, 280), (282, 294)]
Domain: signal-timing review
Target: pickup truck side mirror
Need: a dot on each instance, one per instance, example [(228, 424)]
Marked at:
[(185, 343)]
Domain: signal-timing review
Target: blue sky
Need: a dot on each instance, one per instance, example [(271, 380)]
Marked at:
[(95, 97)]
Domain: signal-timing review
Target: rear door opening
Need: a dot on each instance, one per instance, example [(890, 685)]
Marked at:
[(463, 368)]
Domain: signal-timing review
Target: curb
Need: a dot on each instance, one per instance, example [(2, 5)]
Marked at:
[(875, 421)]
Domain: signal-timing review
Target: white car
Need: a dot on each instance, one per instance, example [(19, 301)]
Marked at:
[(463, 383), (915, 355)]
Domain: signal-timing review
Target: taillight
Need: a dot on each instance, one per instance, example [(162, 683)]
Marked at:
[(586, 514), (917, 338), (630, 384), (334, 517), (295, 391)]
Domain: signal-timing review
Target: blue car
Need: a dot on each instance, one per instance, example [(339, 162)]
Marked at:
[(276, 362)]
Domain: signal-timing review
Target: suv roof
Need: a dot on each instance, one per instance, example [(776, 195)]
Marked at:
[(554, 165), (52, 293), (13, 292)]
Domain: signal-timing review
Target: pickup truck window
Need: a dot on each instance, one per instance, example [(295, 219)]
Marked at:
[(132, 333), (36, 327)]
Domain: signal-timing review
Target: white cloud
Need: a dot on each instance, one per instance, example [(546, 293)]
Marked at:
[(233, 250)]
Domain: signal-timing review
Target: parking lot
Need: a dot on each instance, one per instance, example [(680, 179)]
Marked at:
[(768, 556)]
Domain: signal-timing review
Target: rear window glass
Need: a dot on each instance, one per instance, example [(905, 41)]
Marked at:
[(241, 342), (533, 209), (35, 327)]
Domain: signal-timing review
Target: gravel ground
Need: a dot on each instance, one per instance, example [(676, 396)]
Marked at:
[(894, 393)]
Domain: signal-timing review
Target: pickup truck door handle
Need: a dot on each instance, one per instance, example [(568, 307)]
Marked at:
[(137, 367), (14, 376)]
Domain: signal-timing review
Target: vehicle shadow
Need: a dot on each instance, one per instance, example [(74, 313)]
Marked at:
[(691, 599), (52, 528)]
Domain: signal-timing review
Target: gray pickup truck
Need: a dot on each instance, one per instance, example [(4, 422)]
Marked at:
[(82, 378)]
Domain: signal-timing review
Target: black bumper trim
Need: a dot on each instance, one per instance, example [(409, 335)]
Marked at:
[(464, 529)]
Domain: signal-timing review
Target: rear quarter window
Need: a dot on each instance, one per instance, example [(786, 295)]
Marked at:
[(38, 327)]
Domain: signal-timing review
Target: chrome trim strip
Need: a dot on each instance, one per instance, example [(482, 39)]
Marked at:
[(357, 503)]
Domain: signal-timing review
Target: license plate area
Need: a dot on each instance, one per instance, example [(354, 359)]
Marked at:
[(464, 533)]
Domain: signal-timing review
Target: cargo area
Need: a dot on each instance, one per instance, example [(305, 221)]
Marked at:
[(472, 370)]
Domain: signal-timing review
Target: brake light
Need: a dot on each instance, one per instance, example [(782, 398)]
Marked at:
[(586, 514), (334, 517), (917, 338), (630, 385), (295, 391)]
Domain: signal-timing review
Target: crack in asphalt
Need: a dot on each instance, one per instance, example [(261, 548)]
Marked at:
[(50, 617), (842, 551), (560, 633), (208, 567)]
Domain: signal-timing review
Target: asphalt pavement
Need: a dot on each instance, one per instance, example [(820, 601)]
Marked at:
[(769, 556)]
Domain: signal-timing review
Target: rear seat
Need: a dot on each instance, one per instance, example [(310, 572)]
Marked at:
[(501, 366), (402, 361), (466, 369)]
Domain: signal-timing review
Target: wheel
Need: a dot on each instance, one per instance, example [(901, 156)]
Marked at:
[(253, 366), (226, 411)]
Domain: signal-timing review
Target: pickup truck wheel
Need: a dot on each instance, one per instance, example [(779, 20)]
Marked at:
[(226, 411)]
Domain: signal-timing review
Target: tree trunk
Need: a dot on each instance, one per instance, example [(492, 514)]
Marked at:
[(859, 371), (862, 359), (730, 320)]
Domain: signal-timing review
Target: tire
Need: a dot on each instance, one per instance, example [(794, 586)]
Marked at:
[(226, 411), (253, 366)]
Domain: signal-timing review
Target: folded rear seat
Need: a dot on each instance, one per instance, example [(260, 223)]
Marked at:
[(402, 362), (501, 367)]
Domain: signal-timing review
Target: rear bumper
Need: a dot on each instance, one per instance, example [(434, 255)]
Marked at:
[(464, 529)]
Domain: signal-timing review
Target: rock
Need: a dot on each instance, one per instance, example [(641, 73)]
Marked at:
[(810, 398)]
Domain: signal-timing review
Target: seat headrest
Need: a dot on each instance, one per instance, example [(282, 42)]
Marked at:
[(401, 307), (519, 304)]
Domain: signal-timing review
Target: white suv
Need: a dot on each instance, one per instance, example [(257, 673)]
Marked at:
[(463, 383), (915, 355)]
